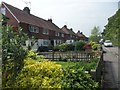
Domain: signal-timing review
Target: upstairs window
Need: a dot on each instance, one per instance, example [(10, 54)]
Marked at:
[(71, 35), (33, 29), (36, 29), (45, 31), (57, 34), (62, 35)]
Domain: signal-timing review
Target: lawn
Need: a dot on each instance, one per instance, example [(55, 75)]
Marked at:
[(86, 65)]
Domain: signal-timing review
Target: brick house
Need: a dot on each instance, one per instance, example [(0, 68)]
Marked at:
[(81, 36), (45, 31), (70, 35)]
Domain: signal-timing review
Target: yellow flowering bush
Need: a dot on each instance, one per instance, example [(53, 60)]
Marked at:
[(45, 74), (34, 55)]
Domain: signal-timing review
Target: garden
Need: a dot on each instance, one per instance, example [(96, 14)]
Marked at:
[(27, 69)]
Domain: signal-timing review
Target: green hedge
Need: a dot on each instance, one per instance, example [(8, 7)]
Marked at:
[(70, 47)]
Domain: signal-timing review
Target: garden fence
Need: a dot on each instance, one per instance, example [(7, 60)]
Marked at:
[(71, 55)]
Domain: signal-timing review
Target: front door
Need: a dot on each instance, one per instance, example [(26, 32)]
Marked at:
[(52, 42)]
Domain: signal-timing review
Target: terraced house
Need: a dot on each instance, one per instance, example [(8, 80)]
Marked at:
[(45, 31)]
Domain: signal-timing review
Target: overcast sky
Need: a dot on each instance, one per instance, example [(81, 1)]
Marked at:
[(80, 15)]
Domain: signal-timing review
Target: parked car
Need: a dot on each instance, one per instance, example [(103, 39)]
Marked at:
[(108, 43), (101, 41)]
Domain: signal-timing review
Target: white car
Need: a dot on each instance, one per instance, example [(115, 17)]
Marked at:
[(108, 43)]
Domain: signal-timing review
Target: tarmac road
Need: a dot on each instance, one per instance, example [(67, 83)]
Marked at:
[(111, 71)]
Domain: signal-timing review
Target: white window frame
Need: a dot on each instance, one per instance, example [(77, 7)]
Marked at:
[(46, 31), (36, 29), (57, 33), (33, 29), (46, 42)]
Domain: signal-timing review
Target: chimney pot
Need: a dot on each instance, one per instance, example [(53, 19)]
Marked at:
[(71, 29), (27, 10), (50, 20), (65, 26)]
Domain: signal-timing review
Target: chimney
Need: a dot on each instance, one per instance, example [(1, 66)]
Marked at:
[(65, 26), (27, 10), (78, 31), (81, 32), (71, 29), (50, 20)]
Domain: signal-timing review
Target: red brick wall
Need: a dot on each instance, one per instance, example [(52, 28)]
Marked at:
[(12, 20)]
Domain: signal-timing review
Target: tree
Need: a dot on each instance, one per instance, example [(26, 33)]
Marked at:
[(112, 29), (95, 34), (12, 54)]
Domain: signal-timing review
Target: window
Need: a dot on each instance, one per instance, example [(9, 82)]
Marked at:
[(36, 29), (57, 34), (3, 11), (46, 42), (45, 31), (62, 35), (33, 29)]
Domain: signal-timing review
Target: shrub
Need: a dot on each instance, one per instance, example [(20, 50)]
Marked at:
[(34, 55), (80, 45), (92, 43), (36, 74), (43, 49), (95, 46), (65, 59), (75, 78), (63, 47), (70, 47), (56, 48), (47, 74)]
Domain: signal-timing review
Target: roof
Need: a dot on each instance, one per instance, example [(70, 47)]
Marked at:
[(80, 34), (23, 17), (68, 31)]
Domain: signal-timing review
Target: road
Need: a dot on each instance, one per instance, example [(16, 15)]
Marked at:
[(110, 75)]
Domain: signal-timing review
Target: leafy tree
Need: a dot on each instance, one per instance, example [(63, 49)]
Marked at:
[(12, 54), (95, 34), (112, 29)]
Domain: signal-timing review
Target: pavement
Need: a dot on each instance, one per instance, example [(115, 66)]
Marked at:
[(110, 73)]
